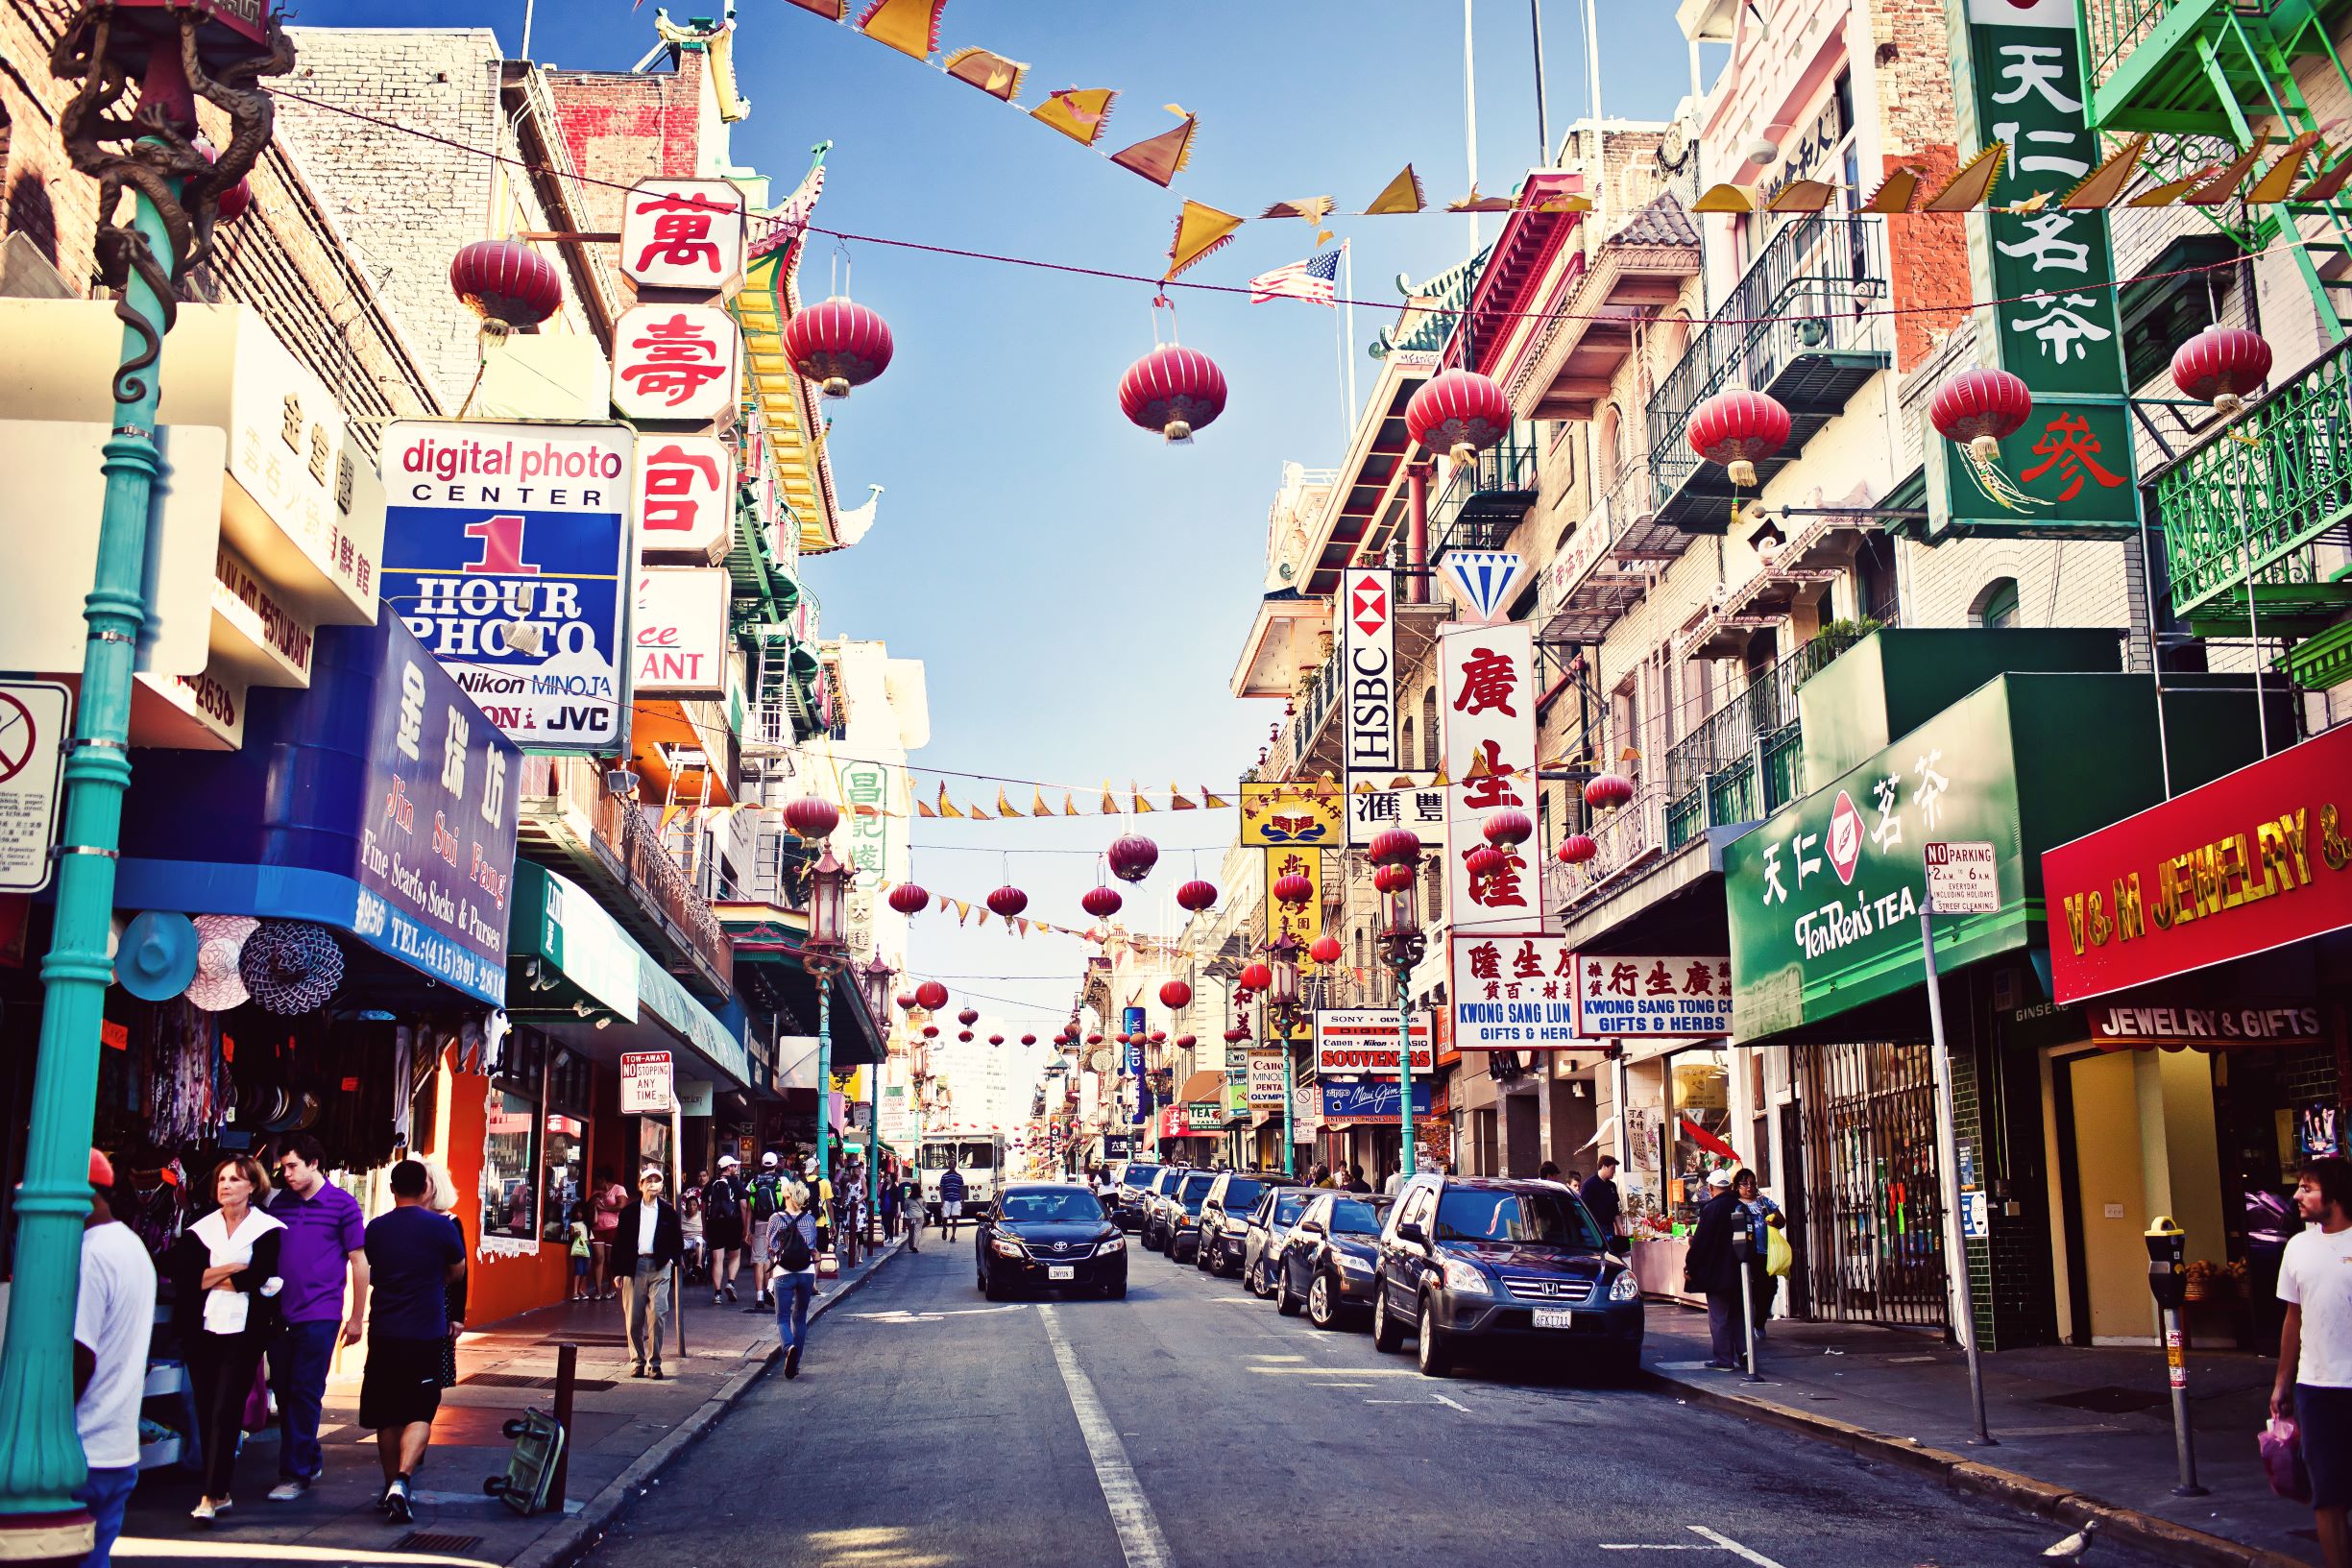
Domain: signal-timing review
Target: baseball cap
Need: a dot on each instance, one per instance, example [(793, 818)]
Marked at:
[(767, 1161), (651, 1172), (102, 1169), (1719, 1177)]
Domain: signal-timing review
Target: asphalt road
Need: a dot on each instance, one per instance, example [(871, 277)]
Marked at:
[(1190, 1425)]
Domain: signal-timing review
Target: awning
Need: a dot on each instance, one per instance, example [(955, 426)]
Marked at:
[(769, 974), (1204, 1086)]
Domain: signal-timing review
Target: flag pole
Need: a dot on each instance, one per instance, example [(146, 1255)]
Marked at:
[(1347, 287), (1469, 109), (1347, 402)]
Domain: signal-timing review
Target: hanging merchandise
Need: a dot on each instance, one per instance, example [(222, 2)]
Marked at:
[(157, 956), (291, 966), (218, 986), (1979, 408), (188, 1089)]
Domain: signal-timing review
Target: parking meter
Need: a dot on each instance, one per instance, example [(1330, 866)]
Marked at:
[(2168, 1253), (2168, 1281), (1743, 1249)]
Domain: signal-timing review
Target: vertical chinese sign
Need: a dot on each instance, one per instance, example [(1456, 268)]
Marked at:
[(2056, 326), (865, 790), (1487, 709), (1301, 923)]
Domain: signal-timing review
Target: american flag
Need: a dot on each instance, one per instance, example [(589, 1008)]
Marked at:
[(1315, 278)]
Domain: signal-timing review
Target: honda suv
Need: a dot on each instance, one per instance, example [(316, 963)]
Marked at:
[(1482, 1261), (1225, 1219)]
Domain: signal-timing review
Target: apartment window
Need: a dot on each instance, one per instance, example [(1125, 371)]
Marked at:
[(1997, 607), (1430, 728), (1608, 449), (1669, 341)]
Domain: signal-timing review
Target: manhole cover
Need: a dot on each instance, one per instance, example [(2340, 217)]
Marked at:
[(2109, 1400), (440, 1541), (516, 1379)]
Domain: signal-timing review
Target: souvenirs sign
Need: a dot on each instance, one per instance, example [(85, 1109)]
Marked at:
[(1356, 1042)]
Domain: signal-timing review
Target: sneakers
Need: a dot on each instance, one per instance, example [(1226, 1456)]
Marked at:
[(791, 1362), (654, 1371), (717, 1298), (637, 1372), (206, 1510), (396, 1503), (731, 1289), (289, 1490)]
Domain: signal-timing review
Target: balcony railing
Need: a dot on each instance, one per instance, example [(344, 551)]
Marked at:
[(1808, 295), (2115, 28), (1629, 837), (1484, 499), (2251, 500)]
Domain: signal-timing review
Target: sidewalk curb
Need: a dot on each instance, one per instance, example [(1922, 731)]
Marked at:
[(567, 1540), (2180, 1543)]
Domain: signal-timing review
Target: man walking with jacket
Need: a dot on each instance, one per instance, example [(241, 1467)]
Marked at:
[(1711, 1269), (647, 1247)]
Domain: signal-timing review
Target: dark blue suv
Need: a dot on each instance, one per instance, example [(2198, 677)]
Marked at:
[(1482, 1261)]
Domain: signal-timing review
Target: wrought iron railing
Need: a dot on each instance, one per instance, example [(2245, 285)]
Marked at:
[(1628, 836), (1811, 291), (2114, 28), (1510, 465), (2252, 498)]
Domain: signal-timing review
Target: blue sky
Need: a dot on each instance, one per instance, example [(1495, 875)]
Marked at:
[(1079, 592)]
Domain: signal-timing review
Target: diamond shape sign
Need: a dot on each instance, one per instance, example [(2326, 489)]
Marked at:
[(1483, 581), (1367, 603), (1845, 838)]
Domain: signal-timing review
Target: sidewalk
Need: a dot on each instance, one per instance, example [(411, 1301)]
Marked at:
[(2077, 1433), (623, 1430)]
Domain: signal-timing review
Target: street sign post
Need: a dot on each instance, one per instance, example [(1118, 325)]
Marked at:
[(645, 1083), (1963, 878)]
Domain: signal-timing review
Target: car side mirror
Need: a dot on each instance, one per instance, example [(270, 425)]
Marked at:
[(1411, 1231)]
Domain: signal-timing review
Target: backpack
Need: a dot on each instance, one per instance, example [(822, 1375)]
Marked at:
[(767, 1196), (720, 1202), (791, 1254)]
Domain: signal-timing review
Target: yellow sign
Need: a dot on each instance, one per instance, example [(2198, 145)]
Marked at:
[(1301, 921), (1279, 814)]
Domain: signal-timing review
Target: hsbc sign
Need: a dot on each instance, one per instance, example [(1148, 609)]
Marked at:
[(1368, 675)]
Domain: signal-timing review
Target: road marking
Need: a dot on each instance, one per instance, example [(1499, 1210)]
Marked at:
[(1335, 1372), (1123, 1495), (1443, 1400), (1717, 1542), (1735, 1547), (901, 1316), (1277, 1358)]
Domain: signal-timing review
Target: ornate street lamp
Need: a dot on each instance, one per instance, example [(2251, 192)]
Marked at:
[(878, 978), (172, 52), (1282, 1009), (823, 954), (1401, 947)]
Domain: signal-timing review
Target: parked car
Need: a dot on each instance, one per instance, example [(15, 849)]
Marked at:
[(1179, 1214), (1267, 1232), (1224, 1217), (1048, 1235), (1332, 1258), (1152, 1234), (1484, 1261), (1126, 1202)]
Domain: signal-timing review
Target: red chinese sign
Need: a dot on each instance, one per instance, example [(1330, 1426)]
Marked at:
[(683, 235), (684, 496), (2251, 861), (676, 362), (1488, 687)]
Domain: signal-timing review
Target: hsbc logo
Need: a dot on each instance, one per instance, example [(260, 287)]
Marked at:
[(1368, 605), (1845, 838), (1368, 665)]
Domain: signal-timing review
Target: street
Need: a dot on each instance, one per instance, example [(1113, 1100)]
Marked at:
[(1189, 1424)]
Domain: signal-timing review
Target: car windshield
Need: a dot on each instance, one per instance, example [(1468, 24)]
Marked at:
[(1194, 1188), (1288, 1205), (1138, 1176), (1046, 1205), (1239, 1195), (1354, 1217), (1470, 1213), (1167, 1179)]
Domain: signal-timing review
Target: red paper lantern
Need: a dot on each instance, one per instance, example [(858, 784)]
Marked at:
[(1486, 860), (1395, 846), (837, 343), (1325, 949), (1978, 407), (1394, 877), (1195, 895), (910, 898), (1132, 858), (964, 1035), (1505, 827), (1738, 429), (1028, 1039), (2220, 366), (1293, 889), (1459, 413), (906, 1001), (507, 284), (1236, 1034), (1007, 902), (812, 817), (1578, 848), (1173, 390), (931, 1031), (996, 1039), (1159, 1037), (1256, 977), (1174, 994), (1609, 791), (968, 1017), (1094, 1039), (1102, 902), (1185, 1041), (931, 995)]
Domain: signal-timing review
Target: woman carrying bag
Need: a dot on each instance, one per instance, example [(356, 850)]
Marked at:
[(224, 1271), (1764, 1223)]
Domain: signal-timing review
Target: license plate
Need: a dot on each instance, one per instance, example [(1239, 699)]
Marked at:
[(1555, 1317), (1060, 1270)]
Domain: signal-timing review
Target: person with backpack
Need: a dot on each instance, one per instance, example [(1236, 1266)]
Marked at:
[(767, 1190), (722, 1228), (790, 1254), (951, 1200)]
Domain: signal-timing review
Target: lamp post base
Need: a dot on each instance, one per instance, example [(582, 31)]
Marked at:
[(61, 1538)]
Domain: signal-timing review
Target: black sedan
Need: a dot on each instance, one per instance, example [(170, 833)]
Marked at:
[(1046, 1235), (1263, 1237), (1333, 1258)]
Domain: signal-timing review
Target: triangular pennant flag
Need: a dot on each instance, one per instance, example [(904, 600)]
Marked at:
[(1162, 158), (1478, 767), (991, 73), (1022, 926), (943, 902), (1402, 194), (1110, 801), (2326, 185), (1972, 185), (923, 810), (1141, 805), (1313, 208), (1003, 806), (1723, 198), (947, 808), (2278, 181), (978, 815), (1441, 781), (1802, 196), (2102, 185), (1321, 235), (1037, 807), (1895, 193), (911, 27), (1068, 807), (2222, 186), (1200, 231), (1475, 202), (963, 912), (2172, 190), (1076, 113), (832, 10), (1177, 801), (1210, 802)]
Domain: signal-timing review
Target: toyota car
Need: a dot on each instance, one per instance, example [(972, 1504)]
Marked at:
[(1049, 1235)]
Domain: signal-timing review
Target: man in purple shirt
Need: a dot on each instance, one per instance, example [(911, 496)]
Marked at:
[(326, 1235)]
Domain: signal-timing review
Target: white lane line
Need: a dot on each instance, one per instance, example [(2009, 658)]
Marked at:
[(1735, 1547), (1653, 1546), (1443, 1400), (1131, 1511)]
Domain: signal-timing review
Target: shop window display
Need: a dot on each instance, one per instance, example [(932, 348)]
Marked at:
[(566, 1153), (511, 1140), (1699, 1130)]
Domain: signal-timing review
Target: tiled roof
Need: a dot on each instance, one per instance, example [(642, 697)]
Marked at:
[(1663, 222)]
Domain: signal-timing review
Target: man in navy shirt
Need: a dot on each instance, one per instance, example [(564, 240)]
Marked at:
[(412, 1254), (325, 1234)]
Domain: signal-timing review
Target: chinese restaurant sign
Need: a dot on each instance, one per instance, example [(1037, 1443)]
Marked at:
[(1617, 995), (1282, 813), (2253, 861), (1487, 695), (1514, 992), (683, 235)]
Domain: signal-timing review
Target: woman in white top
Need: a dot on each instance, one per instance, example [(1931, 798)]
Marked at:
[(224, 1271)]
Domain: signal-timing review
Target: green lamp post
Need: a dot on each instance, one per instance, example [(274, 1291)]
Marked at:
[(218, 49), (878, 978), (1402, 945), (825, 953)]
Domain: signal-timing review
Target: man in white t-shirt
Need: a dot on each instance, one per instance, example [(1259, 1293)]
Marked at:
[(2314, 1350), (113, 1313)]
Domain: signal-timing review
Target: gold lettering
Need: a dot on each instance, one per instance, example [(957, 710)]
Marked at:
[(2073, 902), (2101, 928), (2294, 824), (2332, 848), (2130, 914), (2236, 868), (2271, 848), (2167, 912), (2206, 872)]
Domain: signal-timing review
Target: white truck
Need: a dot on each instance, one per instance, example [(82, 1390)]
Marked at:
[(978, 1155)]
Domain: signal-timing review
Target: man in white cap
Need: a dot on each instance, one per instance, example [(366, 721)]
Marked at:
[(722, 1226), (767, 1190), (1710, 1268)]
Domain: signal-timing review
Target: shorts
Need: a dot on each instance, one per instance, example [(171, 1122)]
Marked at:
[(402, 1382), (952, 1211), (2324, 1419), (722, 1235), (579, 1266)]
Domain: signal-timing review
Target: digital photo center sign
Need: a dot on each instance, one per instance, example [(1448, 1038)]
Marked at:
[(507, 553)]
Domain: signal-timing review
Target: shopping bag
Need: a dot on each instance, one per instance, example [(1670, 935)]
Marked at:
[(1779, 1256), (828, 1265), (2282, 1460), (257, 1401)]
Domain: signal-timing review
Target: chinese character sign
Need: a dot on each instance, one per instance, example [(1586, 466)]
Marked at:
[(1275, 814), (1487, 711), (1514, 991), (683, 235), (1619, 995), (1302, 923), (865, 790), (682, 498), (676, 362), (1419, 806)]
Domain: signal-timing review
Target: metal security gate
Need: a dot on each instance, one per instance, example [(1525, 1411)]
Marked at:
[(1872, 1222)]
